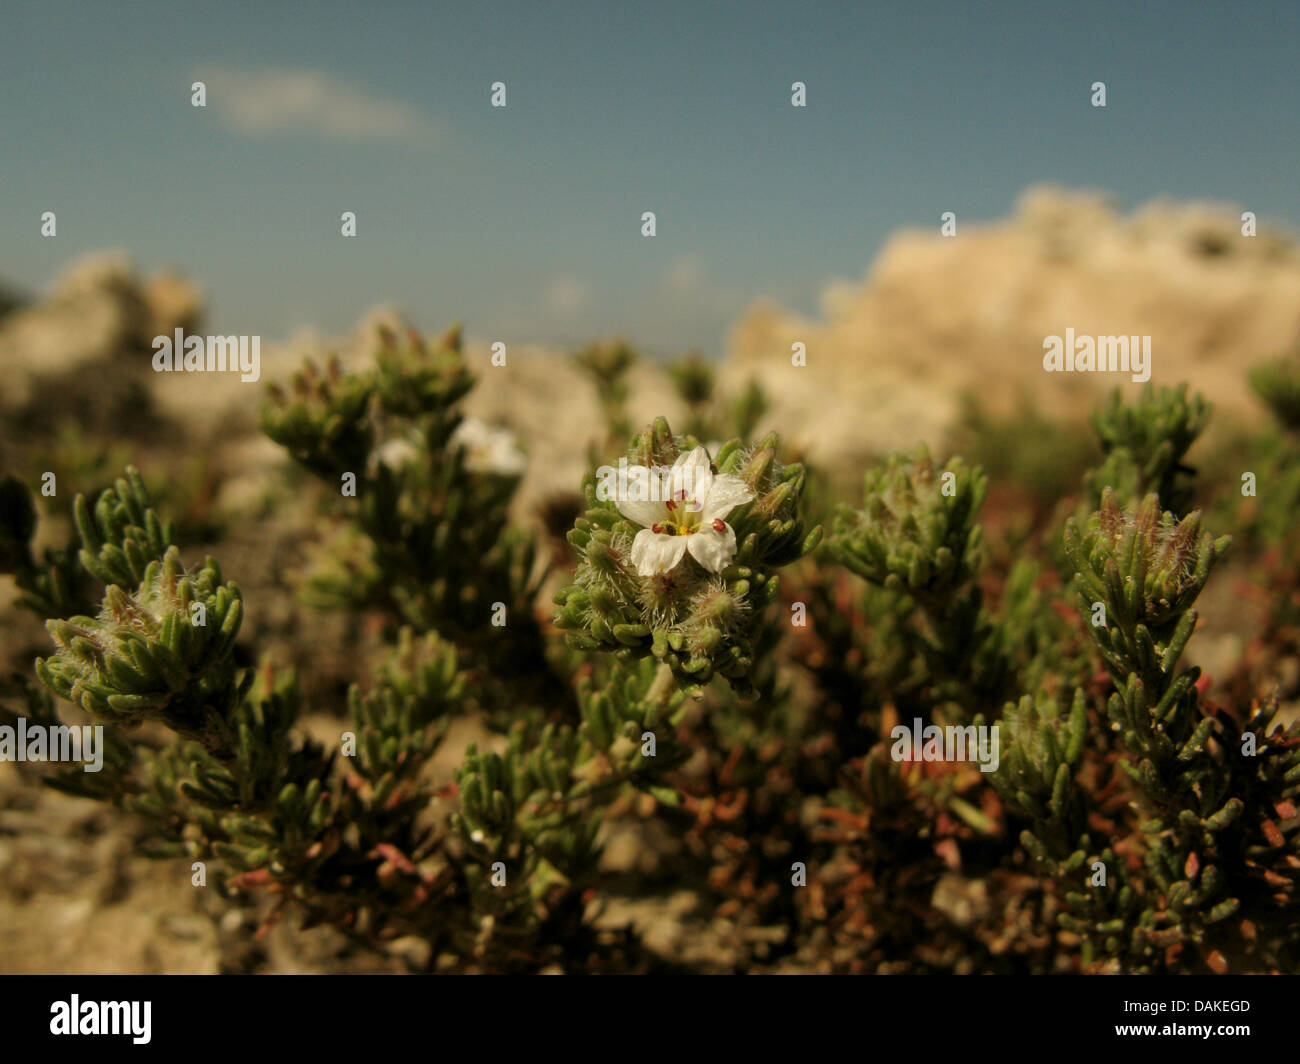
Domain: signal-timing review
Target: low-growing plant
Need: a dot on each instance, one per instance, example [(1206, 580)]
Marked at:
[(714, 682)]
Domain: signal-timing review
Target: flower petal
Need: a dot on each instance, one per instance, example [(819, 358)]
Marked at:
[(640, 495), (641, 512), (712, 549), (725, 494), (692, 474), (695, 458), (654, 552)]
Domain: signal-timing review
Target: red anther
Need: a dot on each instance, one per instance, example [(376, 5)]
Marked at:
[(657, 528), (719, 525), (670, 505)]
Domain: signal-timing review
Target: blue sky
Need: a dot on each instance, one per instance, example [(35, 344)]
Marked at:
[(524, 222)]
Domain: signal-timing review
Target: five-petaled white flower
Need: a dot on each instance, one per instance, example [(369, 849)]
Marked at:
[(685, 511)]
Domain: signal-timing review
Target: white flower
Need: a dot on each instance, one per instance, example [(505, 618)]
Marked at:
[(489, 449), (685, 511), (395, 453)]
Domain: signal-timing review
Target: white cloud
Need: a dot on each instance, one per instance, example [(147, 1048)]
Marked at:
[(269, 100), (691, 288), (567, 295), (684, 274)]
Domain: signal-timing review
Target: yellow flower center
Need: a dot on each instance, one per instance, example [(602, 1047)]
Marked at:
[(686, 518)]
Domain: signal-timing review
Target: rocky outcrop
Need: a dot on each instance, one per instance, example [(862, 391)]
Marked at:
[(888, 357), (82, 350)]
